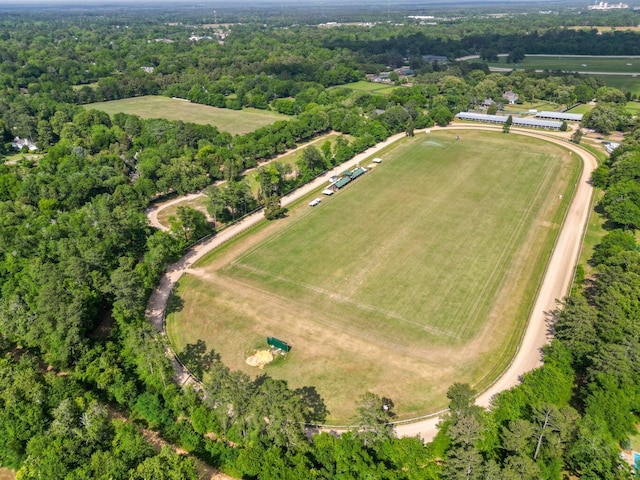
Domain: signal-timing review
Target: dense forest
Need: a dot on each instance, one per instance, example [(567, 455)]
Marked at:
[(84, 377)]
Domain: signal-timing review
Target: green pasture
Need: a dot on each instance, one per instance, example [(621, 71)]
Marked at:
[(421, 271), (625, 83), (633, 108), (574, 64), (370, 87), (582, 108), (153, 106), (526, 106)]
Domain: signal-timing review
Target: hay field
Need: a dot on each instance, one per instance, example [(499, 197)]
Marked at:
[(420, 273), (153, 106)]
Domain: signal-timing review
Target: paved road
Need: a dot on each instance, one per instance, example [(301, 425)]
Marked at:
[(555, 284)]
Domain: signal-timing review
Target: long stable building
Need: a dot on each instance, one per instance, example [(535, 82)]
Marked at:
[(500, 119), (562, 116)]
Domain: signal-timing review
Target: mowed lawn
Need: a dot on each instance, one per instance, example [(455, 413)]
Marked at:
[(370, 87), (625, 83), (153, 106), (575, 64), (418, 274)]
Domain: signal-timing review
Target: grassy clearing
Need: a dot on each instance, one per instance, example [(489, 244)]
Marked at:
[(421, 272), (370, 87), (199, 203), (633, 108), (624, 83), (526, 106), (93, 86), (152, 106), (582, 108), (593, 235), (605, 29), (574, 64)]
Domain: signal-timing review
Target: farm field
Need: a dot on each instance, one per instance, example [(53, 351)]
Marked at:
[(625, 83), (421, 271), (604, 29), (370, 87), (568, 63), (153, 106)]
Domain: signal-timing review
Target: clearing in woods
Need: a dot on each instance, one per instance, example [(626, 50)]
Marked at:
[(419, 273), (226, 120)]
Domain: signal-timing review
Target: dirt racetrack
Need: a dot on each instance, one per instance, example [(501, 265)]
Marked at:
[(555, 285)]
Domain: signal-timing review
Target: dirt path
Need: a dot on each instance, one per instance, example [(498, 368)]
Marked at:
[(153, 211), (555, 284)]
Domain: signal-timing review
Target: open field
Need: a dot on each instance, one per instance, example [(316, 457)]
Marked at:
[(582, 108), (624, 83), (605, 29), (422, 271), (152, 106), (526, 106), (574, 64), (633, 108), (370, 87)]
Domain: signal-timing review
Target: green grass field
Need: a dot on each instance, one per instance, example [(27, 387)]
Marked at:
[(582, 108), (574, 64), (624, 83), (151, 106), (370, 87), (526, 106), (633, 108), (421, 272)]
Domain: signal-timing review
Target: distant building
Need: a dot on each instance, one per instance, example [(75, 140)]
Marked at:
[(511, 97), (487, 102), (517, 122), (435, 58), (404, 71), (19, 143), (571, 117), (197, 38), (606, 6)]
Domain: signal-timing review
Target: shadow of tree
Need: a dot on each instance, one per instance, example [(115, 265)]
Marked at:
[(175, 303), (196, 358), (315, 410)]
